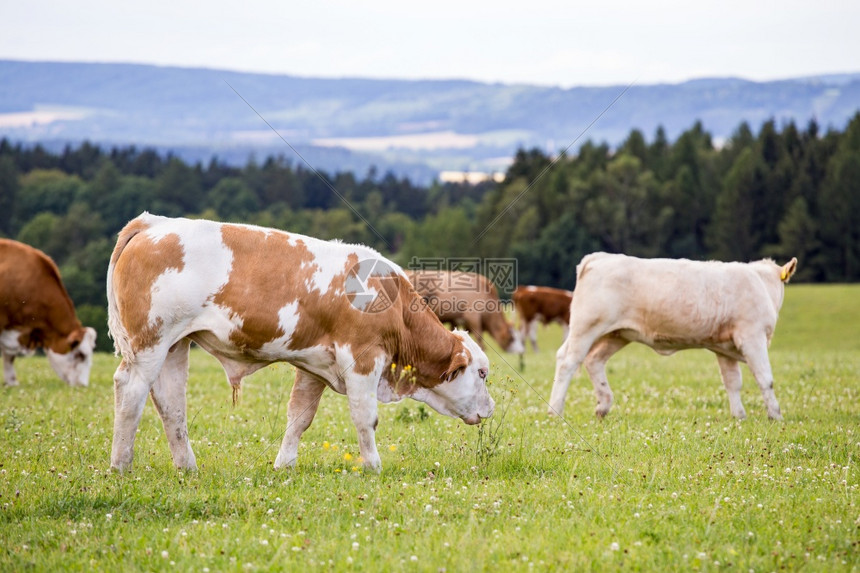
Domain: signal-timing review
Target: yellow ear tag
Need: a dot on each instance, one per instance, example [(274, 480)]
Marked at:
[(783, 275)]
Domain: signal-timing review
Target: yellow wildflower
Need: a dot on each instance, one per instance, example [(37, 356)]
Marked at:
[(347, 456), (326, 445)]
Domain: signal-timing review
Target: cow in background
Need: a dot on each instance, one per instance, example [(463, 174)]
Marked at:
[(468, 300), (728, 308), (541, 304), (36, 312)]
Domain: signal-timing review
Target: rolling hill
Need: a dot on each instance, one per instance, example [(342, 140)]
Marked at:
[(414, 128)]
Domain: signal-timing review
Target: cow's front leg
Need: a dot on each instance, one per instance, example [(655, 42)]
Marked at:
[(361, 393), (730, 370), (304, 401), (530, 332), (168, 396), (131, 384), (565, 330), (566, 365), (567, 361), (9, 369), (474, 325), (757, 359)]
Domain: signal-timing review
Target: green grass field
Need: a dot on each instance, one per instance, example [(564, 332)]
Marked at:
[(668, 481)]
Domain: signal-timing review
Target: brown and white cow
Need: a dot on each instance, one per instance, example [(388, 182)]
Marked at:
[(541, 304), (250, 296), (36, 312), (467, 300), (728, 308)]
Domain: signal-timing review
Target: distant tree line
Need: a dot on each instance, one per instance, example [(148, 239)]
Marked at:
[(779, 193)]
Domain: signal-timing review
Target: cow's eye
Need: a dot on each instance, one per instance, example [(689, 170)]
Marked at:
[(482, 372)]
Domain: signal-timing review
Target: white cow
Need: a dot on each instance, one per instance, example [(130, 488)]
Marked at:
[(669, 305), (346, 317)]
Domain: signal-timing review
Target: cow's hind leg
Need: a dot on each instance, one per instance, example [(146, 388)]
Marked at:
[(131, 384), (168, 396), (595, 364), (755, 353), (730, 370), (304, 401)]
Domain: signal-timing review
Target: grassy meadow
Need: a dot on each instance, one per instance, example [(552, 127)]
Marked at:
[(668, 481)]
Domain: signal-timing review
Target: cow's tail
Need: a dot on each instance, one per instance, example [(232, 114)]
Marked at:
[(120, 336)]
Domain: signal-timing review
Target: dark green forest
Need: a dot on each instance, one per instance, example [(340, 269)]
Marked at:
[(779, 192)]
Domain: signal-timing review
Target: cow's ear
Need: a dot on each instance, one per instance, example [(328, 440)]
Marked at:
[(788, 270), (459, 362), (75, 338)]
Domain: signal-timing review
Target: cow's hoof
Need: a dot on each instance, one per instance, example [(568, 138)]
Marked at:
[(601, 413), (373, 467), (282, 463), (120, 468)]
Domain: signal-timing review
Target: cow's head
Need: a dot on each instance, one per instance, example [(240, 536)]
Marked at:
[(462, 391), (516, 346), (74, 366)]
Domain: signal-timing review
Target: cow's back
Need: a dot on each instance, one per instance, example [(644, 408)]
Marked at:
[(248, 286), (546, 302), (464, 287), (664, 296), (31, 289)]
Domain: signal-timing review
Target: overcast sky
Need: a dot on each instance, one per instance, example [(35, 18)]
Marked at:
[(530, 41)]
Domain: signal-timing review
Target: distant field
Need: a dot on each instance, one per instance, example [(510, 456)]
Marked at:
[(667, 482)]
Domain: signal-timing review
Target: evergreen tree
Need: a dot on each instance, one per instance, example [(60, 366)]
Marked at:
[(8, 193), (178, 190), (839, 205), (733, 236)]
